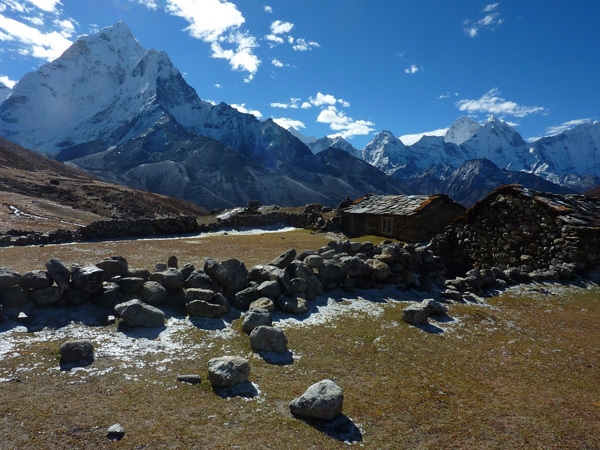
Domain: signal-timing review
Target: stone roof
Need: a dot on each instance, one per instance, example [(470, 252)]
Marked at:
[(399, 205), (578, 210)]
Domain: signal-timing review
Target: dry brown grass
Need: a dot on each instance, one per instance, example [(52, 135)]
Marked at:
[(522, 372)]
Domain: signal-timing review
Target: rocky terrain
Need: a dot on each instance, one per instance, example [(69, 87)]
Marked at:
[(40, 194)]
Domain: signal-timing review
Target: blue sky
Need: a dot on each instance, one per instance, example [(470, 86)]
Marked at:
[(349, 67)]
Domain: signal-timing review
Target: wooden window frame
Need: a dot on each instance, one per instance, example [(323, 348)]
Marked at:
[(387, 225)]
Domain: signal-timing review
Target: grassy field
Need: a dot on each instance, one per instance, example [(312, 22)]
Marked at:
[(521, 371)]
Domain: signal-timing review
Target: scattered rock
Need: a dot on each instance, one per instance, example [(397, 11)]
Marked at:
[(264, 302), (136, 313), (416, 314), (59, 273), (284, 260), (77, 350), (323, 400), (191, 378), (115, 432), (268, 339), (228, 371), (255, 318)]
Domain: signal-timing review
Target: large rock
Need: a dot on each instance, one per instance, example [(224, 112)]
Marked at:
[(9, 278), (87, 278), (170, 278), (416, 314), (130, 285), (354, 266), (379, 270), (284, 260), (256, 318), (314, 287), (36, 279), (59, 273), (292, 304), (114, 266), (230, 273), (203, 308), (323, 400), (108, 296), (268, 339), (72, 351), (228, 371), (269, 288), (331, 273), (242, 299), (200, 279), (154, 293), (137, 313), (46, 296)]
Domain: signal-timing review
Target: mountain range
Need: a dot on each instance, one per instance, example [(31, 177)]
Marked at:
[(125, 114)]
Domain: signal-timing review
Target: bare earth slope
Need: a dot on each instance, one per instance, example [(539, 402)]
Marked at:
[(41, 194)]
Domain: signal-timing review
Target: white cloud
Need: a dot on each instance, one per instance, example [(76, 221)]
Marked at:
[(492, 103), (268, 9), (412, 69), (490, 20), (345, 126), (217, 22), (279, 27), (447, 95), (46, 5), (277, 63), (7, 81), (150, 4), (286, 123), (274, 39), (302, 45), (409, 139), (31, 41), (242, 108), (280, 105), (322, 99), (557, 129)]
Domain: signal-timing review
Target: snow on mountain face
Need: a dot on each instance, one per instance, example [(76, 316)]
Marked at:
[(463, 129), (386, 152), (102, 84), (333, 142), (574, 151), (4, 92)]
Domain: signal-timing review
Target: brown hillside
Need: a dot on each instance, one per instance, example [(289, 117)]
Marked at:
[(40, 194)]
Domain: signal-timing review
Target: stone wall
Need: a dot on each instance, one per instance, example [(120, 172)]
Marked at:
[(287, 283)]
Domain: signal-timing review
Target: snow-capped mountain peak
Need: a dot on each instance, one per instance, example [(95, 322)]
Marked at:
[(463, 129)]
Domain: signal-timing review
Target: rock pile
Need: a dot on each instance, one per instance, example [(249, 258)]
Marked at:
[(288, 283)]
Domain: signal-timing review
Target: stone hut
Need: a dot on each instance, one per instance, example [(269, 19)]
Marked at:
[(409, 218), (515, 227)]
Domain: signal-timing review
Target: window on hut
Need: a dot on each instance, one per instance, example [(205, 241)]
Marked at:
[(387, 225)]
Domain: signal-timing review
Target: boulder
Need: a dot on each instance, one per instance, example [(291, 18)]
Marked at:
[(36, 279), (108, 296), (297, 286), (87, 278), (130, 285), (264, 302), (416, 314), (354, 266), (313, 261), (435, 307), (242, 299), (230, 273), (203, 308), (323, 400), (173, 262), (76, 350), (293, 304), (269, 288), (136, 313), (256, 318), (154, 293), (200, 279), (9, 278), (170, 278), (331, 274), (228, 371), (379, 270), (59, 273), (46, 296), (284, 260), (268, 339), (115, 266)]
